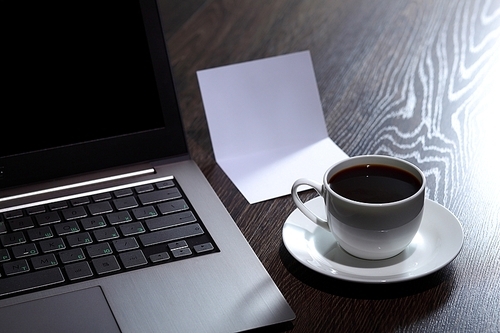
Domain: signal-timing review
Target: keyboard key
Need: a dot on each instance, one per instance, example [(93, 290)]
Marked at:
[(106, 234), (35, 210), (16, 267), (4, 255), (72, 255), (133, 259), (100, 208), (40, 233), (99, 250), (37, 279), (48, 218), (66, 228), (58, 205), (172, 206), (125, 244), (177, 245), (159, 196), (74, 213), (44, 261), (119, 217), (79, 239), (107, 264), (203, 247), (169, 235), (21, 223), (123, 193), (79, 270), (165, 184), (12, 239), (179, 253), (125, 203), (13, 214), (94, 222), (80, 201), (131, 229), (25, 250), (144, 188), (101, 197), (51, 245), (159, 257), (3, 227), (144, 212), (170, 220)]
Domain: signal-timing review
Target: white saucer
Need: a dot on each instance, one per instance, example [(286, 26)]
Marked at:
[(437, 242)]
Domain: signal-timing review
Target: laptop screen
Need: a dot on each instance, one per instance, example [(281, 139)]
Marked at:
[(82, 91)]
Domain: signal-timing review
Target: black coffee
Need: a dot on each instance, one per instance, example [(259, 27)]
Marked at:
[(374, 183)]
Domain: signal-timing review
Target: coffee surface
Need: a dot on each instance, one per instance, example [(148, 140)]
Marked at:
[(374, 183)]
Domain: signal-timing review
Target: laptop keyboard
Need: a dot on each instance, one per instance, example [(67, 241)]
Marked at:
[(99, 234)]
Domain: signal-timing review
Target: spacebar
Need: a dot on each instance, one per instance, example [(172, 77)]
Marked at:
[(171, 234), (28, 281)]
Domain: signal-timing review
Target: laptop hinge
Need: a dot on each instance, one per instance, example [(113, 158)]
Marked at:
[(79, 184)]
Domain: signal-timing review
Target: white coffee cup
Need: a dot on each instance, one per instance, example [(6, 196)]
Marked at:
[(363, 227)]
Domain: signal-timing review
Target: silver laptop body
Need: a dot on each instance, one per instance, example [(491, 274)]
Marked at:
[(225, 290)]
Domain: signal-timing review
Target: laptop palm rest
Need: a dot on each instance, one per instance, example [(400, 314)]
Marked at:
[(80, 311)]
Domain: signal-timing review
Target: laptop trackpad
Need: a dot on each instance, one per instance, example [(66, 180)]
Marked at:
[(80, 311)]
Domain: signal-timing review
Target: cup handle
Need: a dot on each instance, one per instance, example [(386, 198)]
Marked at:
[(300, 205)]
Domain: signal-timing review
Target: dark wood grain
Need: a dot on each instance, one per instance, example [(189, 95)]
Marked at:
[(415, 79)]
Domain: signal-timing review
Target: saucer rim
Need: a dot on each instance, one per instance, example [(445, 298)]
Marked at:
[(370, 279)]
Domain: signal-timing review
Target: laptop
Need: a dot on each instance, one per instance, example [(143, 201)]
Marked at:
[(106, 224)]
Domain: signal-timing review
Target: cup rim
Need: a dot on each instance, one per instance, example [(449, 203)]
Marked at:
[(368, 204)]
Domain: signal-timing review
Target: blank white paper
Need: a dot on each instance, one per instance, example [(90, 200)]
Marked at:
[(267, 125)]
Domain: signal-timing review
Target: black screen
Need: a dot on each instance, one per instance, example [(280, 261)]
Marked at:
[(76, 73), (83, 74)]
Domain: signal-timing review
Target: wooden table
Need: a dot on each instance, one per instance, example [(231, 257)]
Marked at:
[(418, 80)]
